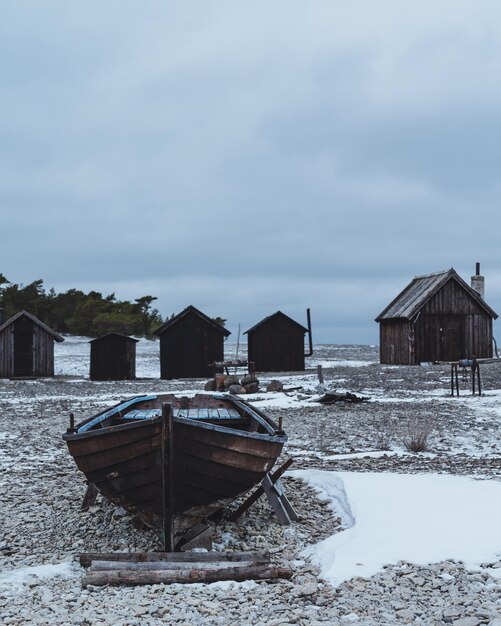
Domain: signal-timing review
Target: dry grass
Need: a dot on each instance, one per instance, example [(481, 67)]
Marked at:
[(418, 435)]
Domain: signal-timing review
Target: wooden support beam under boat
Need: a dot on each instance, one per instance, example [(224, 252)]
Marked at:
[(257, 493), (89, 497)]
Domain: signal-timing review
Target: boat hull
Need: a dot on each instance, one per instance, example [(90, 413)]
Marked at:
[(213, 465)]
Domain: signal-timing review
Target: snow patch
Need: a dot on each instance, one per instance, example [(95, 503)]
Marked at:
[(418, 518), (16, 579)]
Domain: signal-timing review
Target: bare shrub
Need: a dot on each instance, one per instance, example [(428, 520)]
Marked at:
[(418, 435)]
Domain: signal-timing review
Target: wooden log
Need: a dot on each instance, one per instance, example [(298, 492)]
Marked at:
[(107, 566), (86, 558), (154, 577), (255, 495)]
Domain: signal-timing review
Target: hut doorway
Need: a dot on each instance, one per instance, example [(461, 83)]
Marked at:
[(452, 337), (441, 338), (23, 347)]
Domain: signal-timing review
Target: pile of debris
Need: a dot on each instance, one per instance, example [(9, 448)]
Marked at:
[(235, 384)]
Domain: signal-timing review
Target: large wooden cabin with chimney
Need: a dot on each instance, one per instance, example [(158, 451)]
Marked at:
[(437, 317)]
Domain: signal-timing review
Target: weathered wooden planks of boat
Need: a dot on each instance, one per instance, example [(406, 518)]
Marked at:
[(219, 447)]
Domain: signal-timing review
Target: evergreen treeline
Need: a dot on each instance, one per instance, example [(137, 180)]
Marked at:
[(79, 313)]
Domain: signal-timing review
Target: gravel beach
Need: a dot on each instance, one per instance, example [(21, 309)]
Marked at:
[(43, 531)]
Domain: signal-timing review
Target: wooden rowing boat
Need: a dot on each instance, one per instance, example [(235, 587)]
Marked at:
[(221, 447)]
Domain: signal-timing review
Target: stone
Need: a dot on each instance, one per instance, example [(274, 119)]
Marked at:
[(406, 614), (237, 389), (231, 380), (274, 385), (467, 621), (251, 387), (308, 589), (249, 378), (210, 385)]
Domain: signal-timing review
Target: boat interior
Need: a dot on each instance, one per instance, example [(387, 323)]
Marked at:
[(217, 410)]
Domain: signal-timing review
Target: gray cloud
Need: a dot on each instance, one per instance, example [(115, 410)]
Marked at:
[(251, 157)]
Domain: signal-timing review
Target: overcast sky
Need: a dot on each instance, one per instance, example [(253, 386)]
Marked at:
[(246, 157)]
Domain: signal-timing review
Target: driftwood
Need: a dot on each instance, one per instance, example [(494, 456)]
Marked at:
[(152, 577), (86, 558), (107, 566), (331, 396), (144, 568)]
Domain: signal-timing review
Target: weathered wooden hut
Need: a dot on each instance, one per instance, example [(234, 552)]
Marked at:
[(189, 343), (113, 357), (276, 344), (437, 317), (26, 347)]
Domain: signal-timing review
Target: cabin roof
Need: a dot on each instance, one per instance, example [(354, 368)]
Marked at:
[(186, 311), (35, 320), (421, 289), (113, 334), (277, 314)]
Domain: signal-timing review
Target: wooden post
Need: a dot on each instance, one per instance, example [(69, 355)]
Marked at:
[(452, 379), (457, 379), (479, 383), (167, 477), (89, 498), (320, 374)]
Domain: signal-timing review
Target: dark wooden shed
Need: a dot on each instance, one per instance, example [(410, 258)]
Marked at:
[(189, 343), (26, 347), (276, 344), (113, 357), (437, 317)]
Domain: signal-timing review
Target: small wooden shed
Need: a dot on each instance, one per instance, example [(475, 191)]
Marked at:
[(26, 347), (189, 343), (276, 344), (113, 357), (437, 317)]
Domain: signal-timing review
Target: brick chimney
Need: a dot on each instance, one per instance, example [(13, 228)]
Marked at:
[(478, 282)]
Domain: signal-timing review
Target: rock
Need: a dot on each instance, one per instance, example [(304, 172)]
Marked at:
[(237, 389), (467, 621), (251, 387), (210, 385), (274, 385), (231, 380), (406, 614), (249, 378), (308, 590)]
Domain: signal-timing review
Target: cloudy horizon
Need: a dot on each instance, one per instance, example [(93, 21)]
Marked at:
[(251, 157)]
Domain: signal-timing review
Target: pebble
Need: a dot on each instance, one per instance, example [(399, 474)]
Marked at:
[(42, 491)]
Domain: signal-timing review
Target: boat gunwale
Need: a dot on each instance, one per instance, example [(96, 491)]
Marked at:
[(111, 430)]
